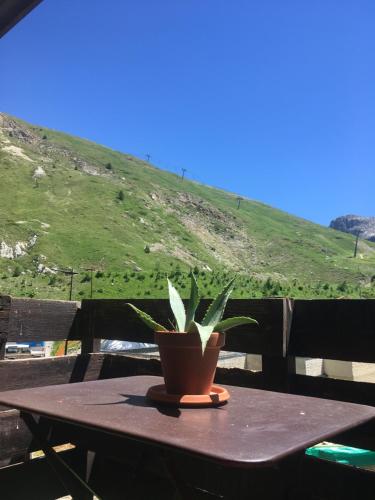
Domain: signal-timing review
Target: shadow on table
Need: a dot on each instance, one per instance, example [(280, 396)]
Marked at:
[(144, 402)]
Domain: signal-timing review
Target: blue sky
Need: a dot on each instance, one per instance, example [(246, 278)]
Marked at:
[(271, 99)]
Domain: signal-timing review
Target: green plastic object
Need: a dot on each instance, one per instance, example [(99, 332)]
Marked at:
[(356, 457)]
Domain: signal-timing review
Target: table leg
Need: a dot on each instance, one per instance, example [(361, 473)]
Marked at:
[(182, 490), (74, 485)]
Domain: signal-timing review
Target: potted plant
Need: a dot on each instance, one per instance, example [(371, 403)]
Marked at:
[(189, 351)]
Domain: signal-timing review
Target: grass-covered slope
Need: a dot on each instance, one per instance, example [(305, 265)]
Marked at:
[(68, 202)]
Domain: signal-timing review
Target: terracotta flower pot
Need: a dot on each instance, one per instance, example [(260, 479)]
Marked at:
[(185, 369)]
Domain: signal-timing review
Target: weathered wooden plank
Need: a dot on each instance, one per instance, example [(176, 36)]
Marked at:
[(112, 319), (24, 373), (334, 329), (89, 344), (5, 302), (33, 320), (118, 365), (342, 390)]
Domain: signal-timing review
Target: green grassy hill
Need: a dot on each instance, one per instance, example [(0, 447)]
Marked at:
[(68, 202)]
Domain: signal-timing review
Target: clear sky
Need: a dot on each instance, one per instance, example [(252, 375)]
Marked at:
[(271, 99)]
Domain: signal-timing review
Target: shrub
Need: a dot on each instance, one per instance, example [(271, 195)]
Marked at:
[(147, 249), (99, 274), (120, 195), (342, 287), (17, 271), (108, 166), (52, 280)]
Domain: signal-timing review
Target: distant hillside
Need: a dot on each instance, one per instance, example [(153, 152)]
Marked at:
[(356, 224), (68, 202)]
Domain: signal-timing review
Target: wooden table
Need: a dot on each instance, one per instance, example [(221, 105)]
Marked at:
[(257, 430)]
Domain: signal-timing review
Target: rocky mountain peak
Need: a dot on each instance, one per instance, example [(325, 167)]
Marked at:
[(356, 223)]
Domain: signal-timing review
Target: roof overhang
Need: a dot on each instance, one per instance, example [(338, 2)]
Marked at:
[(12, 11)]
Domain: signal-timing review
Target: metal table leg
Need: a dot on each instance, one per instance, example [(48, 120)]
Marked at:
[(72, 482)]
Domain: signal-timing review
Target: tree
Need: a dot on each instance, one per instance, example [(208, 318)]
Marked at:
[(108, 166), (120, 195)]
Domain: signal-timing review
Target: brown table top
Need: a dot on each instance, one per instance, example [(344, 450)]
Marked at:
[(255, 428)]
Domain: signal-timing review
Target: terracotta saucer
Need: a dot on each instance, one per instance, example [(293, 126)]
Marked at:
[(217, 396)]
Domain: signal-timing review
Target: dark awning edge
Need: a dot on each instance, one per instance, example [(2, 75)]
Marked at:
[(12, 11)]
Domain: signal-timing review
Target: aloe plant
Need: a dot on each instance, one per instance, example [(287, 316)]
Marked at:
[(185, 319)]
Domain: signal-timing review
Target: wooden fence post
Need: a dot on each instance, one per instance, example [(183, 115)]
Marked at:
[(86, 321), (5, 303), (276, 368)]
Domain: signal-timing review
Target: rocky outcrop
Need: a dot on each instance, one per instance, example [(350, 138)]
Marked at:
[(50, 151), (355, 223), (18, 250)]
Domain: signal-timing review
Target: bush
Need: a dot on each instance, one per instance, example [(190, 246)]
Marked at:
[(99, 274), (17, 271), (52, 280), (147, 249), (342, 287), (120, 195), (86, 279), (108, 166)]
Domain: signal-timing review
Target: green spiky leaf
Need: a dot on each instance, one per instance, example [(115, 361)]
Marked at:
[(193, 302), (216, 310), (177, 307), (204, 332), (228, 323), (147, 320)]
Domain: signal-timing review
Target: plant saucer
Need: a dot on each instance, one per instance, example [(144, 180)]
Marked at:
[(217, 397)]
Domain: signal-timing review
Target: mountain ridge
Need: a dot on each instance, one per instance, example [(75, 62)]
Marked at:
[(86, 205)]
